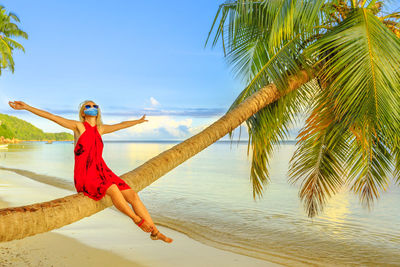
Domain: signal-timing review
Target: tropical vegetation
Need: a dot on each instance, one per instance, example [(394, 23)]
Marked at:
[(13, 127), (8, 31), (350, 107)]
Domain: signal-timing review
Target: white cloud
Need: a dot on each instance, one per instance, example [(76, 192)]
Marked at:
[(153, 101), (157, 127), (165, 128)]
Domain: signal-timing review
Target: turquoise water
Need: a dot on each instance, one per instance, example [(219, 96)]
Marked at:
[(209, 198)]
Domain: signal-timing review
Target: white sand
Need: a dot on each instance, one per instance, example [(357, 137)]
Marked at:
[(104, 239)]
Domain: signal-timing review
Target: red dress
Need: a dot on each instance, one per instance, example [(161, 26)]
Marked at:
[(91, 174)]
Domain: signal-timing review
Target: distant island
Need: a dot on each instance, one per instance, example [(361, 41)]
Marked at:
[(15, 130)]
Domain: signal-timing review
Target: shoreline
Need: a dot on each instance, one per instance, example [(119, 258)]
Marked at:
[(107, 236)]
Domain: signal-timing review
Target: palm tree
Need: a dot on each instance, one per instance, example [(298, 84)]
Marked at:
[(8, 30), (351, 106), (324, 59)]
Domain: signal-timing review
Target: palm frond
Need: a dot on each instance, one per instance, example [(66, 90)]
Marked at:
[(353, 50), (361, 74), (13, 44), (9, 29), (361, 70), (319, 156), (396, 160), (265, 39), (268, 128), (264, 68), (371, 164)]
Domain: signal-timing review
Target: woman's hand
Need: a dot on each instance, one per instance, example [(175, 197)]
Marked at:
[(142, 119), (18, 104), (69, 124), (109, 128)]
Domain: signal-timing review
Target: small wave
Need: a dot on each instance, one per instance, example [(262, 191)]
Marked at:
[(283, 247), (229, 242)]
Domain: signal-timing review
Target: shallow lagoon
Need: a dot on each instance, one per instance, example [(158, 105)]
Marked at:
[(209, 198)]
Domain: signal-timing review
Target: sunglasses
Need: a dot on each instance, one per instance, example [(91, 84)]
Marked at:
[(89, 106)]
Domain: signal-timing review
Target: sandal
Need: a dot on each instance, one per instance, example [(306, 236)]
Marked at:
[(163, 238), (155, 236)]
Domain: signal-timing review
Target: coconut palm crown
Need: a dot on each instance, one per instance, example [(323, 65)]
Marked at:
[(8, 30), (350, 109)]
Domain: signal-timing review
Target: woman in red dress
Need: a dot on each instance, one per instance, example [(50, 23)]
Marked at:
[(92, 176)]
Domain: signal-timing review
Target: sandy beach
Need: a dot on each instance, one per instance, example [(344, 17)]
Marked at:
[(106, 238)]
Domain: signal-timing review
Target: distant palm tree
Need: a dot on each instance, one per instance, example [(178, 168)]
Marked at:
[(8, 30), (352, 49)]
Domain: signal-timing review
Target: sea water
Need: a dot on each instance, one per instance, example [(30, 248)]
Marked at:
[(209, 198)]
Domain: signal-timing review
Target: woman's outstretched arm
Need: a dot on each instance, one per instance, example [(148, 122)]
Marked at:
[(106, 128), (69, 124)]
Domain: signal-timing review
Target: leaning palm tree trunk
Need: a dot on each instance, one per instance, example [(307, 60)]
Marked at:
[(20, 222)]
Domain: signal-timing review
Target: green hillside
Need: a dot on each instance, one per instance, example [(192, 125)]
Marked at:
[(13, 127)]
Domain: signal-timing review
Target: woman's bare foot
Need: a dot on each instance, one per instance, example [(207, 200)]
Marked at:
[(145, 226), (158, 235)]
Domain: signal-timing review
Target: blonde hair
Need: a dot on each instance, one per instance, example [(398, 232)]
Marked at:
[(99, 121)]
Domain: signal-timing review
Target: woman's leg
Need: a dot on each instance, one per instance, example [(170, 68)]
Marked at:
[(132, 197), (121, 204)]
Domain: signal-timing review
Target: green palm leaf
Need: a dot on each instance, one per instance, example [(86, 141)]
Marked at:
[(361, 69), (262, 52), (8, 30), (361, 76), (318, 159), (353, 128), (267, 129), (370, 167)]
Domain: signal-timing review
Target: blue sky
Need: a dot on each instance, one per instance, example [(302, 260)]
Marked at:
[(130, 57)]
